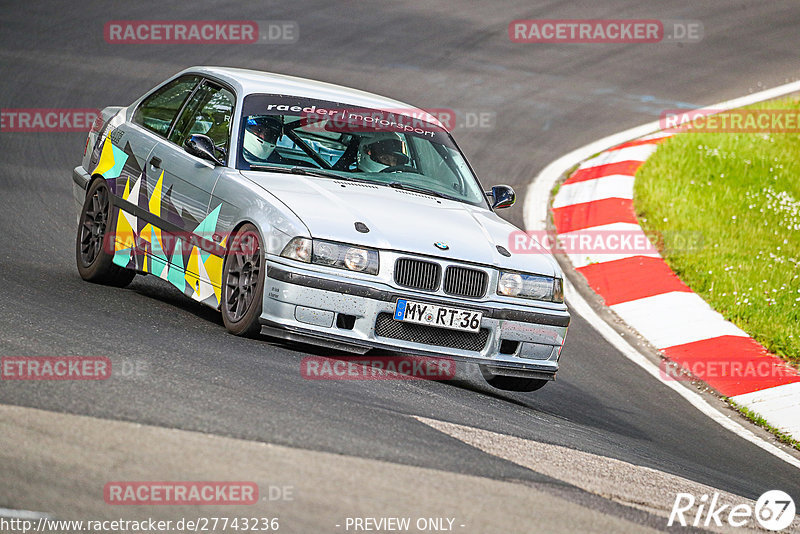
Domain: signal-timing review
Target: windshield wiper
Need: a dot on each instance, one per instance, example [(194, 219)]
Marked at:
[(315, 172), (271, 168), (294, 170), (421, 190), (305, 171)]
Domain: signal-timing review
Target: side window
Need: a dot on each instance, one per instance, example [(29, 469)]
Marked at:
[(157, 111), (209, 113)]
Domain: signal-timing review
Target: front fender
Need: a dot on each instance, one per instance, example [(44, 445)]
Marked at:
[(243, 201)]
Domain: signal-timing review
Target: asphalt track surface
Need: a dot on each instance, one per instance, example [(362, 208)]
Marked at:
[(547, 100)]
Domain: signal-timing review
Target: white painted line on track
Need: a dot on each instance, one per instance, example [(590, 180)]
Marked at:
[(778, 403), (655, 318), (535, 213), (631, 153), (635, 486), (614, 186), (578, 304), (23, 514)]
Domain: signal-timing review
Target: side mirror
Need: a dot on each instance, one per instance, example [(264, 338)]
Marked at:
[(503, 196), (201, 146)]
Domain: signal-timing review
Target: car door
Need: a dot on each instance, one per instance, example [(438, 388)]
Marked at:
[(185, 184), (123, 161), (152, 120)]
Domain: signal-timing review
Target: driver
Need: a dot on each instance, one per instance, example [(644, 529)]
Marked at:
[(261, 134), (380, 151)]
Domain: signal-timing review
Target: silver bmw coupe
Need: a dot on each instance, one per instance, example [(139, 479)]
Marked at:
[(316, 213)]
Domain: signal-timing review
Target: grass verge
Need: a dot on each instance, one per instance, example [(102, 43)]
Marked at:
[(740, 195)]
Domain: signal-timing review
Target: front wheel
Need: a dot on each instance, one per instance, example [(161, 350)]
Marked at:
[(243, 283), (95, 261), (516, 383)]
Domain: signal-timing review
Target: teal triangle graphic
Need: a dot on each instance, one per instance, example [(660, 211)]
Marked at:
[(120, 157), (206, 229), (122, 257), (175, 274)]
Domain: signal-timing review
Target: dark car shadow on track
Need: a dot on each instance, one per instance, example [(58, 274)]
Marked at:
[(157, 289), (593, 413)]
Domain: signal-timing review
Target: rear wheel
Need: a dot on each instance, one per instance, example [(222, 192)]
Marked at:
[(243, 283), (94, 245)]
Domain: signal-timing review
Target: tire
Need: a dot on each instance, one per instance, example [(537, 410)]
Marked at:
[(243, 283), (516, 383), (92, 243)]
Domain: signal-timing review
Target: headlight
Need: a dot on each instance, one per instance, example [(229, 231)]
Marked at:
[(298, 249), (356, 259), (510, 284), (558, 290), (330, 254), (530, 286)]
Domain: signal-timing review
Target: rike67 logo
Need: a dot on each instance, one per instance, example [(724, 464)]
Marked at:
[(774, 510)]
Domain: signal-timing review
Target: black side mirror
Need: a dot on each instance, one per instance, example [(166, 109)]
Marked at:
[(503, 196), (201, 146)]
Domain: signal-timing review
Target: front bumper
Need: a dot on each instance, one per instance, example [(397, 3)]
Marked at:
[(304, 304)]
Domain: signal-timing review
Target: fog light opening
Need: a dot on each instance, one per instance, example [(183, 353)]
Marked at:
[(345, 322), (508, 347)]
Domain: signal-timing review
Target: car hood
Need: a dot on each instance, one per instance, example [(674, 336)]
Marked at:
[(400, 220)]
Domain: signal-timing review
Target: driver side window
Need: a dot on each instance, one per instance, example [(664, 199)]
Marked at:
[(208, 112), (158, 111)]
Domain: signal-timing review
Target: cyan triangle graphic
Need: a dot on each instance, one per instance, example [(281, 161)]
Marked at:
[(206, 229), (175, 274), (120, 157)]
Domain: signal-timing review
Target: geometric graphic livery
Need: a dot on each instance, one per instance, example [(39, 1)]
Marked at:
[(145, 247)]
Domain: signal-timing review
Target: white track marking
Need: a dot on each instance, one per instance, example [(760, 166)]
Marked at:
[(630, 153), (779, 403), (614, 186), (657, 135), (578, 305), (580, 257), (675, 318), (535, 214), (636, 486), (23, 514)]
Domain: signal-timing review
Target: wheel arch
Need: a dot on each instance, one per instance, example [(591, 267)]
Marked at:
[(92, 179)]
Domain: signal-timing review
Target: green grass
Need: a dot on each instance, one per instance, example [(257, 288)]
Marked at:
[(740, 193)]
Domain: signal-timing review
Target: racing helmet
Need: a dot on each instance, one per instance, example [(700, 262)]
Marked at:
[(261, 134), (379, 151)]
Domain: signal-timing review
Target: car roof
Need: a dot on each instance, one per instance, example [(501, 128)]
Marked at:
[(246, 82)]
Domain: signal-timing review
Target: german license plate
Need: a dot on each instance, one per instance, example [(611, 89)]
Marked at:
[(439, 316)]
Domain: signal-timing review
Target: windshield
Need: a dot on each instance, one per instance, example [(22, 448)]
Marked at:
[(393, 148)]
